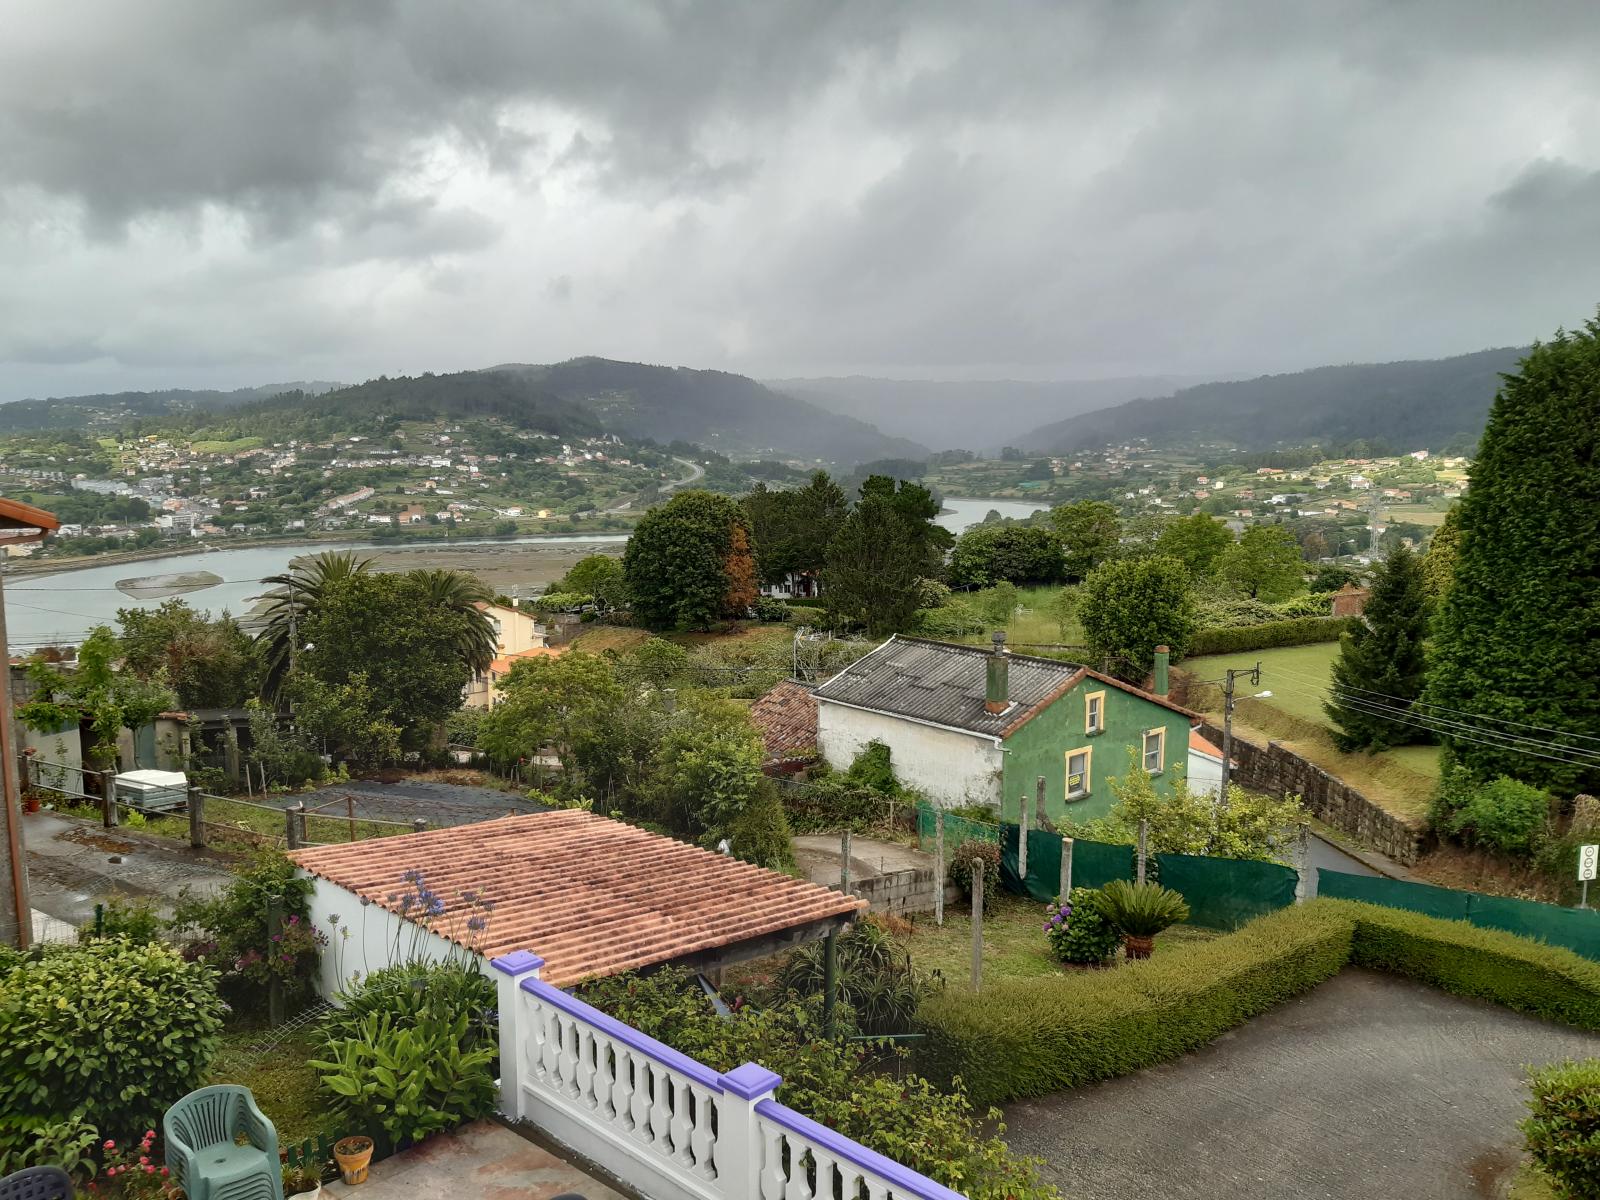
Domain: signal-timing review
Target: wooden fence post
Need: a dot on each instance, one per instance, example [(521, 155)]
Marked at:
[(350, 812), (291, 827), (977, 924), (197, 818), (108, 799), (844, 862), (419, 826)]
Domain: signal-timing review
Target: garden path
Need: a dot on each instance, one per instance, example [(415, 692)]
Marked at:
[(1369, 1085)]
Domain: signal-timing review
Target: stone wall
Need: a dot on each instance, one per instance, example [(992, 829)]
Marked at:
[(901, 892), (1275, 769)]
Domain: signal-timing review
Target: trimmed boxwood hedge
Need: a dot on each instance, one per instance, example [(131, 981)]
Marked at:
[(1031, 1037), (1300, 631)]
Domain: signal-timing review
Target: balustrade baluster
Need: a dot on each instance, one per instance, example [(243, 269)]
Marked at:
[(622, 1087), (680, 1120), (550, 1052), (774, 1183), (640, 1110), (586, 1049), (703, 1138), (660, 1106)]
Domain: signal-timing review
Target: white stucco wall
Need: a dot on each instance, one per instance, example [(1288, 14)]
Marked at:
[(1205, 774), (951, 768), (378, 938)]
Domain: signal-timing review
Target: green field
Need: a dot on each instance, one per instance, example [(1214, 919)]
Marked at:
[(231, 447), (1402, 780)]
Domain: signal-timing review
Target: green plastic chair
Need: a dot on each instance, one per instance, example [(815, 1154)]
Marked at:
[(202, 1133)]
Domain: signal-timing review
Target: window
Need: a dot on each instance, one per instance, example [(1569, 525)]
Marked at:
[(1155, 750), (1094, 712), (1077, 773)]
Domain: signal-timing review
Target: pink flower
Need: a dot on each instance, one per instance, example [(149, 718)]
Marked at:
[(143, 1159), (109, 1145), (149, 1170), (111, 1170), (164, 1171)]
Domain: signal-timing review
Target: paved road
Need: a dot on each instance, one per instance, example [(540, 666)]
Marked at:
[(1368, 1086), (1325, 854), (74, 864)]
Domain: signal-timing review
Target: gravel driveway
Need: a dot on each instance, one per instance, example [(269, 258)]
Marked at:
[(437, 803), (1368, 1086)]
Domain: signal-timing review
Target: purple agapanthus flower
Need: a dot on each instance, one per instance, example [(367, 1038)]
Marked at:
[(476, 923)]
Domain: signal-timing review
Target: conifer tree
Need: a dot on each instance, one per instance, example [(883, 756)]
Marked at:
[(1380, 670), (1515, 637)]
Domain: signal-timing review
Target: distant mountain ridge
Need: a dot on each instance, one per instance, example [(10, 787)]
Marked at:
[(111, 408), (1409, 405), (729, 413), (980, 414)]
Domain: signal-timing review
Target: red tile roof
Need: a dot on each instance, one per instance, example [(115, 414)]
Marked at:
[(589, 895), (786, 717)]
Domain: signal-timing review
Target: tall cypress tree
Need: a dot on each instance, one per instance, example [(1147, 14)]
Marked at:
[(1515, 638), (1380, 663)]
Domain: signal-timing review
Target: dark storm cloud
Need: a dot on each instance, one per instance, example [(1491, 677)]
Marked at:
[(1045, 189)]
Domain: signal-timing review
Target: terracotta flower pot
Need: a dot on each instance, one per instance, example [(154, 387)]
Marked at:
[(1139, 947), (353, 1154)]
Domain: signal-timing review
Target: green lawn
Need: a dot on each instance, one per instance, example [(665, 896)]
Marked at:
[(1014, 945), (284, 1085), (1401, 780)]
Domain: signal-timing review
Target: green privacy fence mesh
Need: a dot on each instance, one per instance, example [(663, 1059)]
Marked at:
[(1576, 929), (1222, 893)]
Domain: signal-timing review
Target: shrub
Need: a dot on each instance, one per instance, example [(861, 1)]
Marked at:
[(876, 978), (33, 1141), (229, 932), (873, 769), (830, 805), (809, 616), (760, 834), (961, 860), (408, 991), (1078, 931), (1503, 815), (1141, 910), (412, 1079), (112, 1032), (1228, 610), (956, 618), (1312, 605), (1298, 632), (768, 608), (136, 920), (1563, 1130), (1035, 1036)]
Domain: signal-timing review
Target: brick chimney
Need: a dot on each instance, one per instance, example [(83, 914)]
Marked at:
[(1163, 661), (997, 682)]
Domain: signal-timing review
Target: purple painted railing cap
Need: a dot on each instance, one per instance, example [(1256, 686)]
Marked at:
[(749, 1081), (518, 962)]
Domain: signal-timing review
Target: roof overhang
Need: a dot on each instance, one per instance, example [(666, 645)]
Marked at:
[(21, 522)]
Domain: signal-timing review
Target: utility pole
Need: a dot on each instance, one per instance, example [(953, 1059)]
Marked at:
[(1227, 723)]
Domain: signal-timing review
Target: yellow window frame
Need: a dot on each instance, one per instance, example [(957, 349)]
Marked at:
[(1160, 732), (1089, 725), (1088, 772)]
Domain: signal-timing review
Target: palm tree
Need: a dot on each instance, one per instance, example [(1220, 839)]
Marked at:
[(465, 595), (294, 596)]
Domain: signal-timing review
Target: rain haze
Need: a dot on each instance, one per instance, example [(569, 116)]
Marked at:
[(222, 194)]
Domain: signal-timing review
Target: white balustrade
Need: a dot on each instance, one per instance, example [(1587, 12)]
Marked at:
[(665, 1124)]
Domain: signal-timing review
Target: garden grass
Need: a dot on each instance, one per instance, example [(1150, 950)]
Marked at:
[(281, 1079), (1014, 945), (1530, 1183)]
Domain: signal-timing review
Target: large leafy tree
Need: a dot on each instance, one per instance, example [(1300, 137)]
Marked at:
[(690, 562), (708, 768), (1264, 564), (1439, 563), (568, 705), (1196, 541), (1090, 532), (598, 575), (1130, 606), (209, 662), (993, 554), (463, 596), (402, 640), (887, 543), (1380, 670), (792, 528), (96, 696), (1514, 639), (294, 594)]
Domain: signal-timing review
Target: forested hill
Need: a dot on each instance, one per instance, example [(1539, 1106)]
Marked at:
[(115, 409), (1402, 405), (379, 403), (729, 413)]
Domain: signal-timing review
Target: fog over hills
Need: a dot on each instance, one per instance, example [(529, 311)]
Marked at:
[(1406, 405), (979, 414)]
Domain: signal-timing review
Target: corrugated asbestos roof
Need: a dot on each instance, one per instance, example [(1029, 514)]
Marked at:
[(589, 895), (945, 683)]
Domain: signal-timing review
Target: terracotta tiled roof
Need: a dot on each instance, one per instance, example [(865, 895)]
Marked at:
[(505, 662), (786, 717), (589, 895), (1200, 745)]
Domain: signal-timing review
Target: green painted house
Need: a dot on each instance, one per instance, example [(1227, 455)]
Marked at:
[(966, 725)]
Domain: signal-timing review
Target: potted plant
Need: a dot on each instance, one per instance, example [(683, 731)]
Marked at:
[(353, 1155), (1139, 911), (304, 1180), (31, 801)]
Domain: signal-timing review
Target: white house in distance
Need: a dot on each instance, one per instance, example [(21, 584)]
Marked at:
[(589, 895)]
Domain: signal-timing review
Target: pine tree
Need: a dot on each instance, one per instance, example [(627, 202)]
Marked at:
[(1380, 663), (1515, 637)]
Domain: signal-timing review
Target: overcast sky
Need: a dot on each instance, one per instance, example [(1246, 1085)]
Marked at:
[(221, 193)]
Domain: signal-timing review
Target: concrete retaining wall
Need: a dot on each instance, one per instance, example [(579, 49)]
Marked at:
[(1275, 769), (901, 892)]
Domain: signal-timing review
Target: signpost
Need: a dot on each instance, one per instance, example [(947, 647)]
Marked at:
[(1588, 861)]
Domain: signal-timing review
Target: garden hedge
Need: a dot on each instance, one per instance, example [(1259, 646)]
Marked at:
[(1300, 631), (1031, 1037)]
